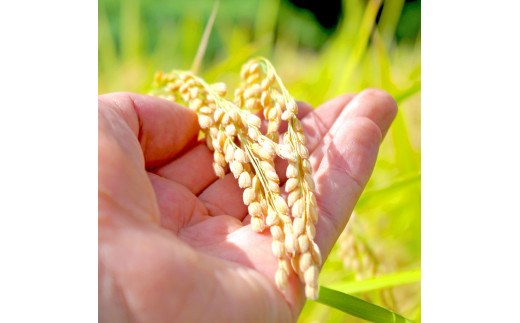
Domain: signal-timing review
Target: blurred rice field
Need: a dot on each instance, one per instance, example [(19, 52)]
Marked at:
[(375, 44)]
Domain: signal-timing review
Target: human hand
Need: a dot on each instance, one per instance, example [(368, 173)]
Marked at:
[(175, 244)]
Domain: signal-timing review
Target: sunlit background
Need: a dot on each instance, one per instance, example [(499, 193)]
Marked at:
[(320, 49)]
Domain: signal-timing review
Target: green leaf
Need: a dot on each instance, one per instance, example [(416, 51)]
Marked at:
[(358, 50), (384, 281), (358, 307), (204, 40), (371, 196), (389, 20), (412, 90)]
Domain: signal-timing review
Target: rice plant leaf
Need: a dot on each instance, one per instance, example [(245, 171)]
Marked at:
[(358, 49), (389, 19), (383, 281), (131, 30), (405, 154), (204, 41), (358, 307), (265, 25), (398, 185), (412, 90), (107, 48)]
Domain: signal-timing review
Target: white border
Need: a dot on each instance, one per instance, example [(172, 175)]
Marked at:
[(48, 204), (470, 123)]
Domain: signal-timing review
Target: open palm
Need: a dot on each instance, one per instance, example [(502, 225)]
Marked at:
[(175, 244)]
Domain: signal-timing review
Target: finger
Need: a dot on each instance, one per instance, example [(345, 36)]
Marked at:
[(123, 186), (178, 206), (376, 105), (193, 169), (163, 128), (224, 197), (247, 220), (342, 175), (318, 123), (344, 168)]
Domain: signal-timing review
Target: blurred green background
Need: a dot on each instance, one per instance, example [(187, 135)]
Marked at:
[(343, 46)]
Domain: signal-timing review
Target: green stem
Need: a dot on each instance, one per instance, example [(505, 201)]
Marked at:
[(204, 41), (358, 307)]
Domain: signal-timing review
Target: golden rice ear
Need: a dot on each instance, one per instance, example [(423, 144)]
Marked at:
[(232, 132)]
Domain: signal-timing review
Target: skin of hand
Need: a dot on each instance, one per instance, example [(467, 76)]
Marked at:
[(175, 243)]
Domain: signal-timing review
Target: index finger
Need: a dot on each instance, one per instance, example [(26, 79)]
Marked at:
[(163, 128)]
